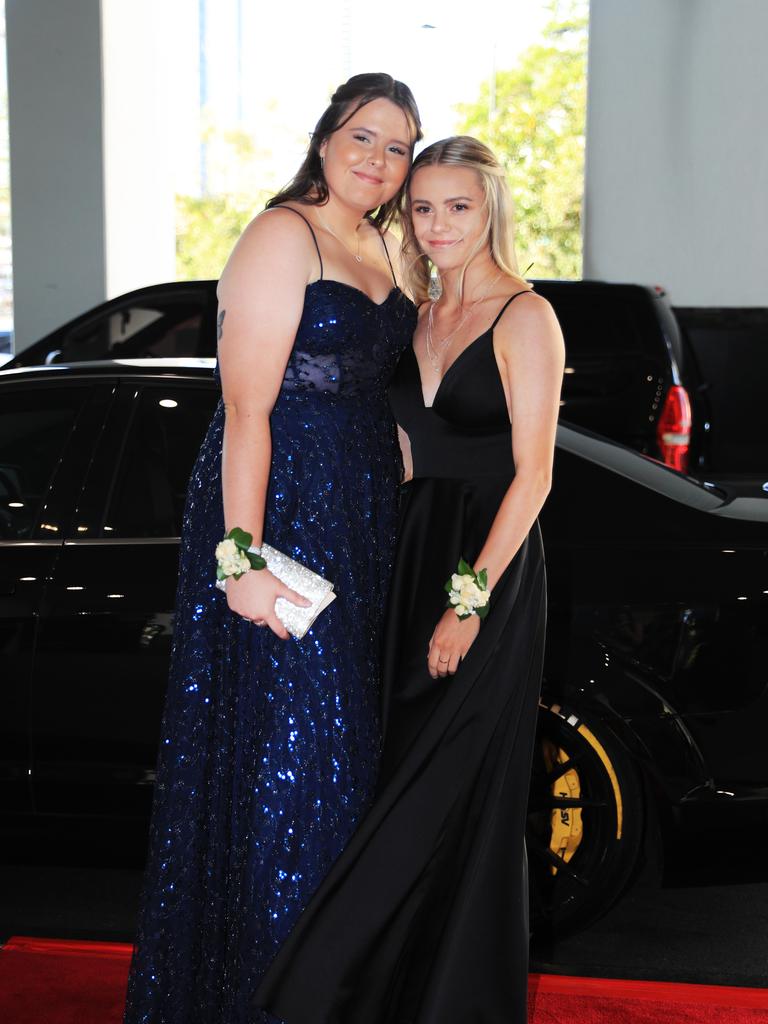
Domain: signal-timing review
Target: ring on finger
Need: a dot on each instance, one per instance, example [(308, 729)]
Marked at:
[(443, 661)]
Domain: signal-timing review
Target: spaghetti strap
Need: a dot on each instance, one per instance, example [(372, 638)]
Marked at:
[(503, 308), (311, 231), (389, 261)]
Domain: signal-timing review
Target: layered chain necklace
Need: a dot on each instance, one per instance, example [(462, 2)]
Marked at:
[(436, 352), (329, 229)]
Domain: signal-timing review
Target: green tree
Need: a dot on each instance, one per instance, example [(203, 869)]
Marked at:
[(536, 125), (208, 226)]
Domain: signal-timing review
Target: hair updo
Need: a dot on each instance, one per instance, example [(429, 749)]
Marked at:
[(309, 185)]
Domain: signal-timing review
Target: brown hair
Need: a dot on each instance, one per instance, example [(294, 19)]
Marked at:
[(309, 185), (498, 235)]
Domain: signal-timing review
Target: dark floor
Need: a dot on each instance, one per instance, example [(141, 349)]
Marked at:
[(705, 921)]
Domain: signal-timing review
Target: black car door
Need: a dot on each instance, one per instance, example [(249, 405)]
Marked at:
[(105, 637), (47, 433)]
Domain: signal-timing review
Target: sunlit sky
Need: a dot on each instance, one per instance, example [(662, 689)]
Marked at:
[(277, 81)]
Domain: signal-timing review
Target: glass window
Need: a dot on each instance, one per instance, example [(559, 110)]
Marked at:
[(165, 435), (602, 326), (35, 426), (168, 327)]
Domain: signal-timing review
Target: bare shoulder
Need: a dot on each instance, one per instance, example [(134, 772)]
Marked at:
[(394, 244), (277, 239), (529, 325), (393, 241), (528, 309)]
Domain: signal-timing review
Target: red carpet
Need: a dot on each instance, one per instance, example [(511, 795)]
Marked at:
[(50, 981), (562, 1000), (53, 981)]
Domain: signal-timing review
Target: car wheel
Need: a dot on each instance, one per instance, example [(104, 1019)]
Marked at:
[(586, 819)]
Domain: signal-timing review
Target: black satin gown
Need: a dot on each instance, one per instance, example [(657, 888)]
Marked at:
[(423, 919)]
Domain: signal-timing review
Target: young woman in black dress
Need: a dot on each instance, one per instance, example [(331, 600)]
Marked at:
[(423, 920)]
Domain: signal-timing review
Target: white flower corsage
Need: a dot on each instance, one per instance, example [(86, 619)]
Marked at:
[(233, 557), (468, 592)]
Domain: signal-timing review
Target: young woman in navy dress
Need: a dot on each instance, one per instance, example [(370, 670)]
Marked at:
[(423, 919), (269, 744)]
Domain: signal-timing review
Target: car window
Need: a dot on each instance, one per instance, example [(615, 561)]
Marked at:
[(598, 329), (168, 327), (34, 428), (167, 428)]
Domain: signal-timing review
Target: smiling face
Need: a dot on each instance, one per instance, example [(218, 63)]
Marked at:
[(367, 159), (449, 213)]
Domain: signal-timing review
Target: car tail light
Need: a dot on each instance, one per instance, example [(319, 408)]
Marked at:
[(674, 428)]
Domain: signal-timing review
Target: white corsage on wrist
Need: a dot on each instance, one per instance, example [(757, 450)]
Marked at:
[(234, 557), (468, 592)]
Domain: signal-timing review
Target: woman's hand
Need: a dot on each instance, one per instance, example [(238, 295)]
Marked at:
[(450, 642), (253, 596)]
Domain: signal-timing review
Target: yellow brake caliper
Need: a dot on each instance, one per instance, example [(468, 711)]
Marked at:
[(565, 822)]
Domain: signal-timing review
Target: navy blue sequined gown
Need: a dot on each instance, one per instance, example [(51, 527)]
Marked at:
[(269, 748)]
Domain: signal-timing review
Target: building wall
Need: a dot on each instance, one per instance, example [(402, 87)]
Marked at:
[(90, 105), (677, 152), (138, 113), (57, 180)]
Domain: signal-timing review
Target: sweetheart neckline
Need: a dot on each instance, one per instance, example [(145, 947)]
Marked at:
[(354, 288)]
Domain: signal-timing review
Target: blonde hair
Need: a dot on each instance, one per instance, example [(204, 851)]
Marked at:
[(498, 234)]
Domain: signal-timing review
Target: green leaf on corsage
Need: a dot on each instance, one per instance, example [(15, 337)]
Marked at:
[(465, 569), (257, 562), (242, 538)]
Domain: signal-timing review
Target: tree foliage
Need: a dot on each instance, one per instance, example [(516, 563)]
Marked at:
[(208, 226), (537, 129)]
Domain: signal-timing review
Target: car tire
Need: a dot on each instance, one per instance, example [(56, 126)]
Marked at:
[(586, 821)]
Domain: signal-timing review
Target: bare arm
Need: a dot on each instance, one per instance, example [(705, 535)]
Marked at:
[(405, 448), (529, 347), (261, 297)]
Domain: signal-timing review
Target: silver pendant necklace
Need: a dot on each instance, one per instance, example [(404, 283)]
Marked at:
[(436, 352), (329, 229)]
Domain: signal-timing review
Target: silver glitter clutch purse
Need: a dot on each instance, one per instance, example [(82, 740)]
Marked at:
[(298, 577)]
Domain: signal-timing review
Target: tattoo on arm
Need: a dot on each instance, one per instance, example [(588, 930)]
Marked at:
[(220, 324)]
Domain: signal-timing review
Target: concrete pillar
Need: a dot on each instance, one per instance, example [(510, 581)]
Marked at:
[(57, 178), (90, 110), (677, 154), (138, 51)]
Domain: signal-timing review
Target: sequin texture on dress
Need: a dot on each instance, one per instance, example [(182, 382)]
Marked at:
[(269, 748)]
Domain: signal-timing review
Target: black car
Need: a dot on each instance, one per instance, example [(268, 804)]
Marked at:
[(629, 375), (730, 349), (656, 687)]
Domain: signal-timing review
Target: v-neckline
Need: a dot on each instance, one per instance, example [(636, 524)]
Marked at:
[(458, 359)]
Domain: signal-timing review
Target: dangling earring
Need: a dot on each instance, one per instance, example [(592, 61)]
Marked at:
[(435, 288)]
